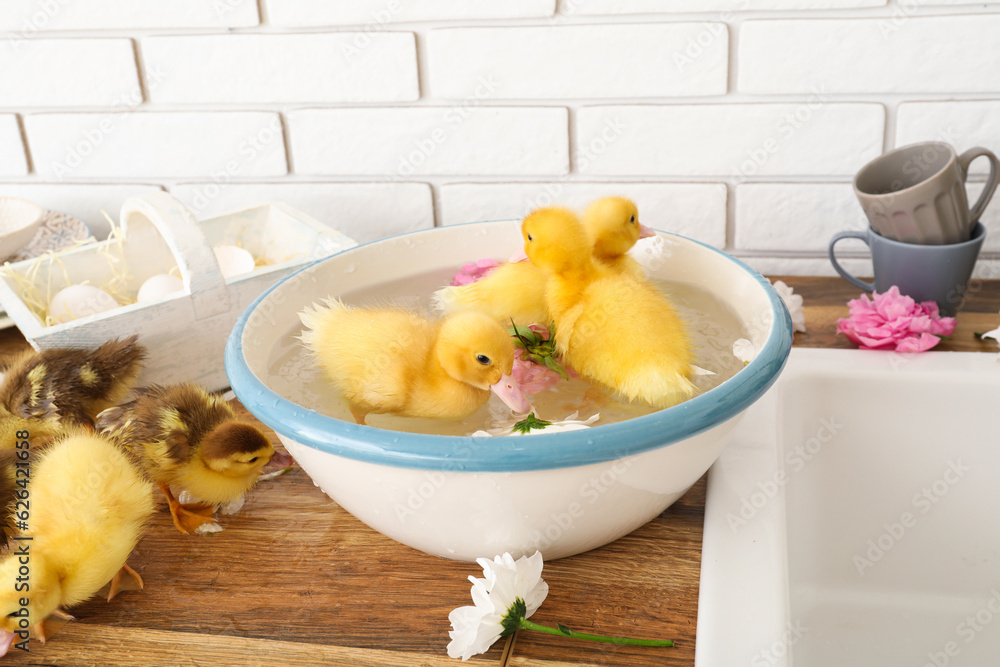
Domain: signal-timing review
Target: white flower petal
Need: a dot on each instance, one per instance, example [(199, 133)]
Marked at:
[(475, 631), (477, 628), (793, 302), (995, 335), (744, 350)]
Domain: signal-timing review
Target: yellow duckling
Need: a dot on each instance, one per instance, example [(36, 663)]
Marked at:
[(185, 437), (613, 227), (610, 327), (391, 361), (89, 507), (516, 290)]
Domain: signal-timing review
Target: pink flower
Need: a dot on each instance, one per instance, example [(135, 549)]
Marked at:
[(474, 271), (541, 330), (532, 377), (895, 322)]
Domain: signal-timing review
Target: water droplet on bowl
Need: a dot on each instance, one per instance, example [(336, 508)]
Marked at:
[(350, 268)]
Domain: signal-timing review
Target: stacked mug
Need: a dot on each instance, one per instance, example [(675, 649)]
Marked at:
[(924, 237)]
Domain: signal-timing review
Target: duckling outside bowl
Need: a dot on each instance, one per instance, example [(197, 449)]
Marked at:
[(465, 497)]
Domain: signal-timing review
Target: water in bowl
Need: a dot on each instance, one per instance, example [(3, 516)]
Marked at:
[(713, 328)]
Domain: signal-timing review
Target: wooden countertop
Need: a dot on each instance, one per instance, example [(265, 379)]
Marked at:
[(295, 580)]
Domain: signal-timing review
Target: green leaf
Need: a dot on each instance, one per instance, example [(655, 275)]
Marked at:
[(556, 366), (563, 629), (530, 422), (536, 349), (525, 336)]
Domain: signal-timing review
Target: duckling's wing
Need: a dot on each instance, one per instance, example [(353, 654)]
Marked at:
[(26, 390), (116, 419), (71, 385), (512, 291)]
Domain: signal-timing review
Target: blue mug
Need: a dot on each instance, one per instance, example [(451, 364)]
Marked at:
[(938, 273)]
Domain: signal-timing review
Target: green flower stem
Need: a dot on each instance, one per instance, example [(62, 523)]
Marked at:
[(525, 624)]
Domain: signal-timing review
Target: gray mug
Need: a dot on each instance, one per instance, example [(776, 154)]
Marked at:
[(923, 272), (916, 194)]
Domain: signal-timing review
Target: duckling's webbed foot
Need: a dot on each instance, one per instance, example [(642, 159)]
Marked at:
[(359, 414), (187, 517), (116, 582)]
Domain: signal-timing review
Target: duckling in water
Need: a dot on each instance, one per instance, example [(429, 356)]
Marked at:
[(516, 290), (611, 328), (391, 361)]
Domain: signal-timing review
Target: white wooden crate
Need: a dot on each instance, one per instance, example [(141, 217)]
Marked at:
[(185, 332)]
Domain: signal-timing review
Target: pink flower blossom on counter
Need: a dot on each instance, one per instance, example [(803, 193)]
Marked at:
[(894, 321), (474, 271)]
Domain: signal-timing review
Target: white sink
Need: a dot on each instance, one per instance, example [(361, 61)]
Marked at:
[(854, 518)]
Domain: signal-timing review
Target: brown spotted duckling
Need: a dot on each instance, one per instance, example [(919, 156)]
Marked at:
[(188, 438), (45, 391)]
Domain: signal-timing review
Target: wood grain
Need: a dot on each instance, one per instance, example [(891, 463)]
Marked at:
[(295, 580)]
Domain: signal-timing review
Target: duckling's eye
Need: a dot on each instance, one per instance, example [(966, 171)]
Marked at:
[(632, 219), (253, 460), (529, 238), (483, 359)]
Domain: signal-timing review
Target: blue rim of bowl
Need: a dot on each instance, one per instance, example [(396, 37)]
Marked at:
[(542, 451)]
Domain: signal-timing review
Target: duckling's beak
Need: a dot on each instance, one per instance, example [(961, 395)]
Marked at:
[(508, 391), (281, 459), (6, 639), (518, 256), (646, 232)]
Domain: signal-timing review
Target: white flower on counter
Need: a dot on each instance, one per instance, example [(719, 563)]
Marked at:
[(995, 335), (794, 303), (508, 592), (744, 350)]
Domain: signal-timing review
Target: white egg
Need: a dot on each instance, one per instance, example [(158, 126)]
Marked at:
[(159, 286), (76, 301), (233, 261)]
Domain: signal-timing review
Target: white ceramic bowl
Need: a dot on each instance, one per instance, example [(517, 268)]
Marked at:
[(19, 220), (464, 497)]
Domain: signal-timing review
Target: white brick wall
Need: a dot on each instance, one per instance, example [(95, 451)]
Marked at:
[(735, 140), (12, 158), (28, 17), (269, 68), (792, 217), (363, 211), (737, 122), (402, 142), (70, 72), (377, 13), (601, 61), (142, 144), (651, 6), (911, 55)]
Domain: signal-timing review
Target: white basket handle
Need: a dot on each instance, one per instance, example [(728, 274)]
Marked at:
[(183, 236)]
